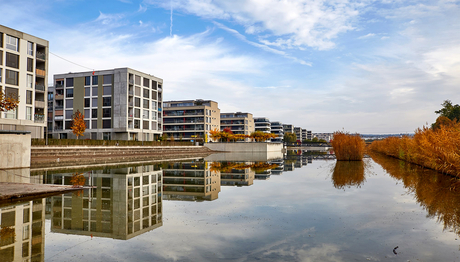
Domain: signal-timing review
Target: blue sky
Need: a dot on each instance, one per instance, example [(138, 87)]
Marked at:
[(363, 66)]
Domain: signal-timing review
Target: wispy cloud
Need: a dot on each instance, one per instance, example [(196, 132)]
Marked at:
[(366, 36)]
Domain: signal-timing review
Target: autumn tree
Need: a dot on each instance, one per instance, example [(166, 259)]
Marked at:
[(290, 137), (78, 124), (8, 102)]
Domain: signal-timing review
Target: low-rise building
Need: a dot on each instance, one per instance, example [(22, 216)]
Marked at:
[(190, 119), (117, 104)]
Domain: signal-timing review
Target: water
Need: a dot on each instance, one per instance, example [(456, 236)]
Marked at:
[(199, 210)]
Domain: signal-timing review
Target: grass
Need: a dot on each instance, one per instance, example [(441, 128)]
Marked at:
[(435, 149), (348, 147)]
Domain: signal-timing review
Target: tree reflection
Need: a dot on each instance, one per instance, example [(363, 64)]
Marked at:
[(348, 174), (438, 194)]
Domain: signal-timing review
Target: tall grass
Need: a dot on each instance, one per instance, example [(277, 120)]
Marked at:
[(435, 149), (348, 174), (348, 147)]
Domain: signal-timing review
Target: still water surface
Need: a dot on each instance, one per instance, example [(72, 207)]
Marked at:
[(282, 210)]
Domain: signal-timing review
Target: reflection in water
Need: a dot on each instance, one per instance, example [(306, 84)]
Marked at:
[(433, 191), (122, 203), (22, 233), (348, 174)]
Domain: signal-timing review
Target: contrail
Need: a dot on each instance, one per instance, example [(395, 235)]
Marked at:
[(170, 27)]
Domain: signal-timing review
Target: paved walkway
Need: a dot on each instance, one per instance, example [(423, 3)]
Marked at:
[(18, 191)]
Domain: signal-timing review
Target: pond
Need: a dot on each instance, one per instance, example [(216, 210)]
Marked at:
[(297, 208)]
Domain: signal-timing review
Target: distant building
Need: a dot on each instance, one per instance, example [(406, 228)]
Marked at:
[(298, 131), (262, 124), (309, 135), (277, 129), (24, 73), (191, 119), (117, 104), (304, 134), (326, 136), (288, 128), (239, 123)]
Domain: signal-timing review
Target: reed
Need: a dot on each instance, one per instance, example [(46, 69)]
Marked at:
[(435, 149), (348, 147), (348, 174)]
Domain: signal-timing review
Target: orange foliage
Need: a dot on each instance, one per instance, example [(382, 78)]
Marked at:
[(348, 174), (435, 149), (7, 236), (78, 180), (9, 102), (227, 167), (348, 147), (78, 124)]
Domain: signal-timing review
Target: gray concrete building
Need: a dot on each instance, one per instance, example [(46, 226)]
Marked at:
[(277, 129), (118, 104), (24, 73), (262, 124)]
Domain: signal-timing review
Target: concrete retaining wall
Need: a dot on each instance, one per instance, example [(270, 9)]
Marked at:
[(245, 147), (14, 149)]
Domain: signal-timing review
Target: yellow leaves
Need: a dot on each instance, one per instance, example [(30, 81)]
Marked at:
[(78, 124), (9, 102), (348, 147)]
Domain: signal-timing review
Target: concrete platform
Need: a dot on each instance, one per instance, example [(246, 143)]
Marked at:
[(22, 191)]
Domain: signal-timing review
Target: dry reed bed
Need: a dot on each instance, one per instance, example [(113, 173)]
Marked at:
[(348, 147), (438, 150)]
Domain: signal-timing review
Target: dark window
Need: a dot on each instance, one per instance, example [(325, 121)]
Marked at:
[(106, 101), (137, 80), (106, 123), (12, 60), (11, 77), (107, 79), (146, 103), (68, 103), (68, 124), (95, 80), (146, 82), (87, 102), (145, 125), (94, 113), (93, 126), (154, 85), (87, 80), (86, 114), (94, 90), (95, 102), (137, 113), (29, 97), (1, 55), (106, 112), (137, 102), (146, 93), (68, 114), (107, 90), (137, 124), (1, 40), (87, 91), (68, 82), (87, 124), (30, 65), (154, 95), (69, 92)]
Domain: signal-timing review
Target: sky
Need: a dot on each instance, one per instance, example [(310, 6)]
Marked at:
[(363, 66)]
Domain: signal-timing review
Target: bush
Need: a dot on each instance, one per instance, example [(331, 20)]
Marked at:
[(348, 147)]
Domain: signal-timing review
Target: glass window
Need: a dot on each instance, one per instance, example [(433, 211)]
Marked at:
[(107, 90), (145, 125), (146, 93), (29, 112), (137, 102), (87, 91), (146, 82), (0, 76), (94, 101), (1, 39), (95, 80), (68, 103), (93, 126), (146, 103), (106, 123), (11, 77), (68, 82), (137, 124), (87, 80), (154, 105), (154, 115), (137, 80), (1, 56), (12, 60), (29, 97), (107, 101), (107, 79), (154, 95), (69, 92), (87, 123), (137, 113), (106, 112), (145, 114), (68, 114), (86, 114), (29, 81), (68, 124), (94, 90), (154, 85), (30, 48), (30, 65), (11, 43), (87, 102), (94, 113), (137, 91)]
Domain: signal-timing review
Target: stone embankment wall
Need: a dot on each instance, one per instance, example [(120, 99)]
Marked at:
[(245, 147), (14, 149)]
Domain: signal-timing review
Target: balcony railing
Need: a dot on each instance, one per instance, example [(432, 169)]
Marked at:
[(59, 85), (41, 55), (39, 118), (39, 72), (58, 107), (40, 87)]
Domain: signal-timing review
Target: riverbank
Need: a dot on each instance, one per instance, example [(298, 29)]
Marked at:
[(10, 192), (53, 156)]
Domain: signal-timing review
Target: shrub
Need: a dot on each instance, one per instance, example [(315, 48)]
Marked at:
[(348, 147)]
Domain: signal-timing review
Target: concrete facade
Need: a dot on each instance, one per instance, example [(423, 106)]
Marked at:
[(24, 73), (277, 129), (118, 104), (14, 150), (239, 123), (262, 124)]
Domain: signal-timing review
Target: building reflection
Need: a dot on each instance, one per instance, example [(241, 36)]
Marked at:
[(235, 173), (122, 203), (191, 181), (22, 231), (348, 174), (438, 194)]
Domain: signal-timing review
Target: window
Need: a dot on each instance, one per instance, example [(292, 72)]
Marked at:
[(145, 114), (87, 124), (0, 76), (154, 115), (137, 113), (68, 114), (30, 65), (68, 103), (94, 113), (137, 124), (1, 40), (154, 95), (69, 92), (95, 80), (11, 43), (1, 56), (11, 77), (137, 102), (107, 79), (29, 113), (29, 81), (68, 124), (106, 123), (30, 48), (106, 112), (29, 97), (137, 80), (94, 90), (87, 91), (154, 85), (68, 82), (146, 103), (106, 101), (87, 102), (137, 91), (93, 126), (94, 101), (87, 80), (146, 93), (87, 113), (154, 105), (12, 60), (106, 136), (146, 82), (107, 90)]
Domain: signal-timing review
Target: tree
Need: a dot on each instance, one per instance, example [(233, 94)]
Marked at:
[(8, 102), (450, 111), (315, 139), (290, 137), (78, 124), (443, 121)]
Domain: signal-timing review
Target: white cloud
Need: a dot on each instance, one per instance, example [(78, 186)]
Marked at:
[(366, 36)]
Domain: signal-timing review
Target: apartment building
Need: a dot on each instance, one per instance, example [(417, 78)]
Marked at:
[(288, 128), (309, 135), (277, 129), (118, 104), (237, 177), (304, 134), (24, 73), (239, 123), (262, 124), (190, 119), (326, 136), (298, 131)]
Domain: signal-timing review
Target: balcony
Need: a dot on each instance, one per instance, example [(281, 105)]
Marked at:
[(58, 117), (59, 97), (40, 73), (39, 118), (41, 55), (40, 87), (39, 104)]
